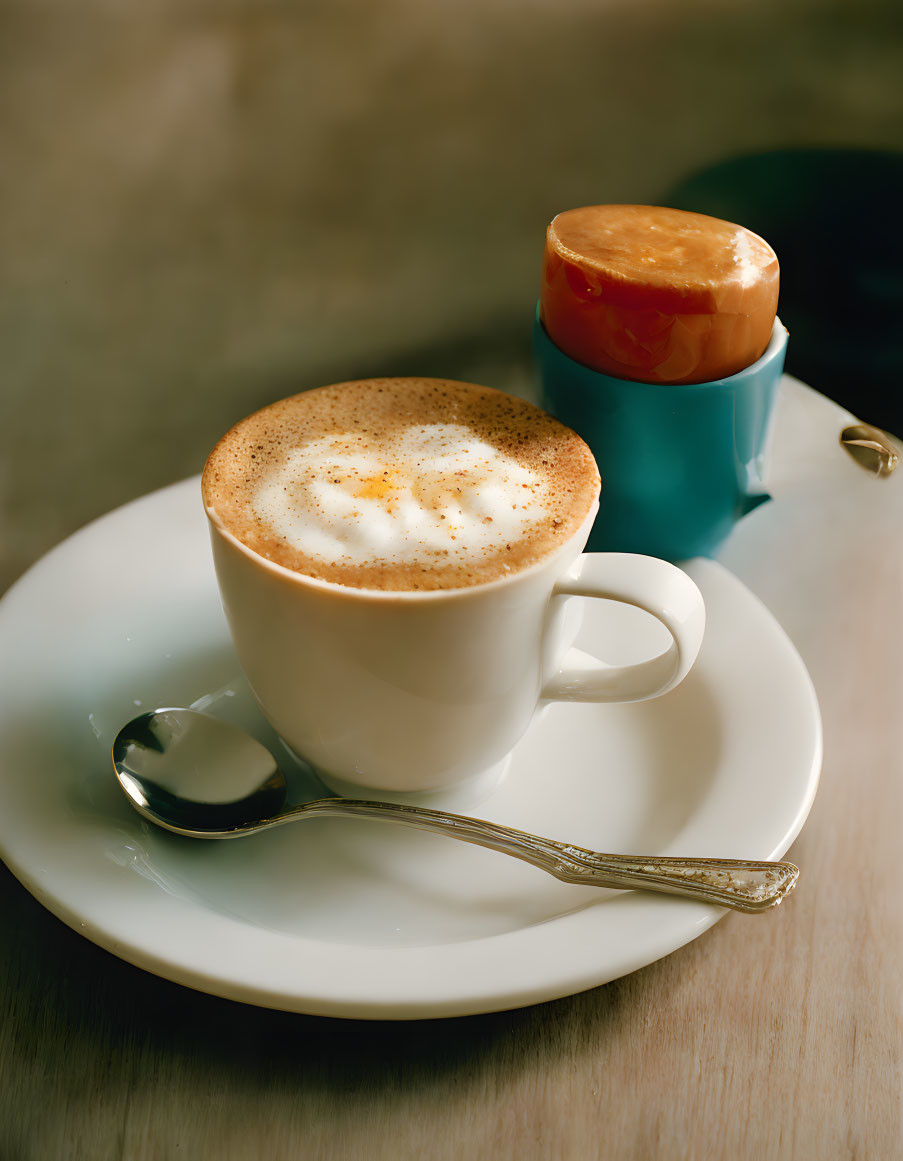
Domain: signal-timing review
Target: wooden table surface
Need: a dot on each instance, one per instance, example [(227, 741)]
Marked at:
[(769, 1037)]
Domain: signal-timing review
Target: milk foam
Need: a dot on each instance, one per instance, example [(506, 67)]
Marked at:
[(413, 496), (401, 484)]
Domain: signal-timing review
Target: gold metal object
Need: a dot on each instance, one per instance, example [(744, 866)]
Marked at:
[(871, 448)]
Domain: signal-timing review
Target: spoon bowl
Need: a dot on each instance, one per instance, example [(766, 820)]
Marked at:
[(197, 775), (203, 778)]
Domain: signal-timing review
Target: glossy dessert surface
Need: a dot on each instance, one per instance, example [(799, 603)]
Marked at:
[(657, 294)]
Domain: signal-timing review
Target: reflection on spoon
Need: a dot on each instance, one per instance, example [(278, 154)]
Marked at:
[(198, 776)]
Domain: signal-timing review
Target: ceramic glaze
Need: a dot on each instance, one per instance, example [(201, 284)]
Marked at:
[(680, 464)]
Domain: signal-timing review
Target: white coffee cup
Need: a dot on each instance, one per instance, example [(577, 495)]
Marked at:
[(420, 691)]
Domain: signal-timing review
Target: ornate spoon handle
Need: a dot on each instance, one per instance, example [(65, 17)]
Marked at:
[(742, 885)]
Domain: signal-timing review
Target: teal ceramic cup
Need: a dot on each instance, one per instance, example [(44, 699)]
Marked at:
[(680, 464)]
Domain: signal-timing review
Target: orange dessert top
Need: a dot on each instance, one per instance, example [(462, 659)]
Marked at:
[(656, 294)]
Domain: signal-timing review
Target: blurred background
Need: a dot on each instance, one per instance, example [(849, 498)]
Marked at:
[(208, 204)]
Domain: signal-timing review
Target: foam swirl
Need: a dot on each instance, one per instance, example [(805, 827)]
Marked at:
[(422, 493), (400, 484)]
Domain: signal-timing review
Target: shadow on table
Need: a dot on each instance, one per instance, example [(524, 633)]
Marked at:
[(103, 1060), (93, 1042), (104, 1012)]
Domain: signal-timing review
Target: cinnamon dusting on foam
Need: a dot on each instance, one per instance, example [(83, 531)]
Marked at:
[(401, 484)]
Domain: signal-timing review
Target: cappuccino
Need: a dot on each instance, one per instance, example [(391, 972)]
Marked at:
[(401, 484)]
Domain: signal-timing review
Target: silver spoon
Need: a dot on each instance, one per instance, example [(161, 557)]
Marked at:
[(198, 776)]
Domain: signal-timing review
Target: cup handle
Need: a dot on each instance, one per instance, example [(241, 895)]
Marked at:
[(647, 583)]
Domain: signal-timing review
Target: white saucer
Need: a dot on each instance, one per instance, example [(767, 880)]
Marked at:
[(355, 918)]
